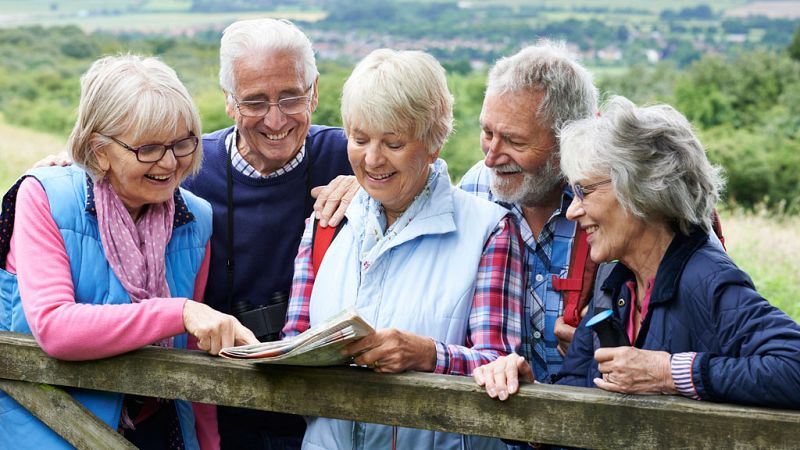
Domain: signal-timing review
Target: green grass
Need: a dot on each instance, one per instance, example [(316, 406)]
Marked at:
[(768, 249)]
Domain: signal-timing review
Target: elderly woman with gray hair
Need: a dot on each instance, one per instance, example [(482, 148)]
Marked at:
[(682, 318), (435, 270), (110, 255)]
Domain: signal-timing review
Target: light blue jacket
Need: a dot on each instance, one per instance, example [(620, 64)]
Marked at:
[(95, 282), (422, 281)]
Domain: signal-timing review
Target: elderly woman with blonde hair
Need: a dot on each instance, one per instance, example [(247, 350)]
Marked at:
[(435, 270), (679, 316), (104, 256)]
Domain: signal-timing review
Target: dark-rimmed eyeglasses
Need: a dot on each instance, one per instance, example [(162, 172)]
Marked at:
[(288, 105), (582, 191), (150, 153)]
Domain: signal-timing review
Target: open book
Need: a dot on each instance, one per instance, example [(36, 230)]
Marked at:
[(317, 346)]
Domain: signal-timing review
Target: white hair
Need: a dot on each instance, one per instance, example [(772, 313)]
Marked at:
[(568, 92), (657, 165), (245, 38)]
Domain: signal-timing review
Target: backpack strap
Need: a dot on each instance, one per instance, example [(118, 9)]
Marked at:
[(321, 239), (577, 286)]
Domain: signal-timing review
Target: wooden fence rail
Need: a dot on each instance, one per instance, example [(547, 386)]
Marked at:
[(539, 413)]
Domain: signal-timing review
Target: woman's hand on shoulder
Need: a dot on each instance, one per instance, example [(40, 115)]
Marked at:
[(501, 377), (391, 350), (213, 329)]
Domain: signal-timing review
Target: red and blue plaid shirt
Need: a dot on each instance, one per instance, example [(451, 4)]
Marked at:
[(494, 327)]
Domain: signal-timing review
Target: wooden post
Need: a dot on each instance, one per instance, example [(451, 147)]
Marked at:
[(64, 415)]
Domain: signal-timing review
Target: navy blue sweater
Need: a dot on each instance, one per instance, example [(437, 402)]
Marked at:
[(269, 215), (269, 218)]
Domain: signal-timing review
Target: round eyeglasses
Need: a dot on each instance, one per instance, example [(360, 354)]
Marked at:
[(582, 191), (150, 153), (288, 105)]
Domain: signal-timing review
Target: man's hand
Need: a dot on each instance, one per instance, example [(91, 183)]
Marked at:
[(213, 329), (333, 199), (392, 350), (564, 334), (501, 376), (62, 159), (630, 370)]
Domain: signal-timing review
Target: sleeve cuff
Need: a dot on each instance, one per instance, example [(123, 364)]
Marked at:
[(681, 368), (442, 358)]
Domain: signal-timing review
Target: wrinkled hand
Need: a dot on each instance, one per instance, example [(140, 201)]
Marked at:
[(62, 159), (213, 329), (564, 334), (501, 376), (630, 370), (391, 350), (333, 199)]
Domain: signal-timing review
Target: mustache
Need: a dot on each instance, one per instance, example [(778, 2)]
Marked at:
[(507, 168)]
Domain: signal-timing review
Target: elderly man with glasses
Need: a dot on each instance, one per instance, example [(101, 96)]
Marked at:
[(257, 175)]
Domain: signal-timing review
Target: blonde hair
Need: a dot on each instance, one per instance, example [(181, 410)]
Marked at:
[(403, 91), (130, 94)]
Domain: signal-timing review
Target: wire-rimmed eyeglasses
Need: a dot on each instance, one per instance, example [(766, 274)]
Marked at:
[(582, 191), (288, 105)]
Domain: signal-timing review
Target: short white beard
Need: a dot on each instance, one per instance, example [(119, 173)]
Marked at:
[(536, 189)]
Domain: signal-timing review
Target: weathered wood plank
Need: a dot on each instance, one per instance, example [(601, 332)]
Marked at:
[(540, 413), (65, 416)]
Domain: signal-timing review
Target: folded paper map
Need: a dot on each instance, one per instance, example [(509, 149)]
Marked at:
[(317, 346)]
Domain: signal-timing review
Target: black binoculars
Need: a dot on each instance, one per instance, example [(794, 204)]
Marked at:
[(265, 321)]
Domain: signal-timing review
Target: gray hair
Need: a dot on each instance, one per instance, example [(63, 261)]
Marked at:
[(245, 38), (568, 92), (403, 91), (130, 94), (657, 165)]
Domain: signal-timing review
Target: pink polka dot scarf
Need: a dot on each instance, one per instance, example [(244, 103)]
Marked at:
[(136, 251)]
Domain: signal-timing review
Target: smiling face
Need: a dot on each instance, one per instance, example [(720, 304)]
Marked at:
[(612, 232), (271, 141), (391, 167), (519, 149), (136, 183)]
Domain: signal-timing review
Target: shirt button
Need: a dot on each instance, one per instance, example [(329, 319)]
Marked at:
[(537, 335), (621, 302), (539, 277)]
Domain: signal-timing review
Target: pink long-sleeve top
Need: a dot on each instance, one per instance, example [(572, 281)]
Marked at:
[(74, 331)]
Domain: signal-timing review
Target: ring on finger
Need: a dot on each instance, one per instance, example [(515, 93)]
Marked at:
[(376, 364)]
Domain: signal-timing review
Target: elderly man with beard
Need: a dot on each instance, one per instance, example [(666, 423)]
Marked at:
[(528, 97)]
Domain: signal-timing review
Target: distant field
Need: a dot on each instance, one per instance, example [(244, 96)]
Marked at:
[(773, 10), (172, 17), (20, 148), (652, 5)]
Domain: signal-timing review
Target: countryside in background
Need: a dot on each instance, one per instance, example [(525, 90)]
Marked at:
[(732, 67)]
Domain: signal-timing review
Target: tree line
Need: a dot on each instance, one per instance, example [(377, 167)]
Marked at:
[(746, 105)]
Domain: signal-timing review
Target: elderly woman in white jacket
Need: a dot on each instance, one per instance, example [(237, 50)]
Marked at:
[(435, 270)]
